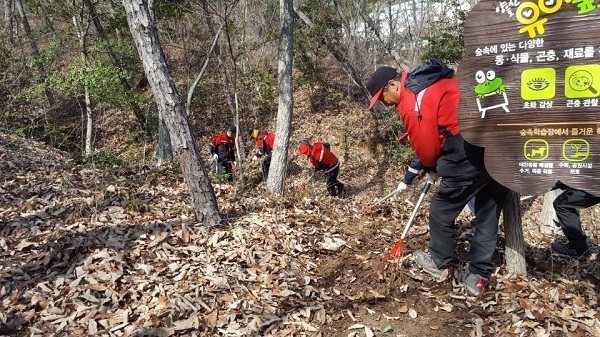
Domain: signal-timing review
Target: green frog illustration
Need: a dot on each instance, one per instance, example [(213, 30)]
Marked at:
[(488, 83)]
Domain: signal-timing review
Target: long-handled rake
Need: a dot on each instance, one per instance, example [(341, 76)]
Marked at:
[(307, 180), (368, 208), (393, 257)]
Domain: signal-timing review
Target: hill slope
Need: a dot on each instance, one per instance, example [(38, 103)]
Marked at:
[(116, 252)]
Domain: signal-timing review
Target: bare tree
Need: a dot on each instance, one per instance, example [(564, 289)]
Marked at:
[(389, 47), (118, 63), (170, 104), (34, 49), (513, 231), (225, 78), (81, 25), (336, 50), (8, 21), (548, 219), (200, 74), (286, 99)]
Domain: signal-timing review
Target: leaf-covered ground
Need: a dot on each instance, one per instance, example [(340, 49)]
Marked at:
[(117, 253)]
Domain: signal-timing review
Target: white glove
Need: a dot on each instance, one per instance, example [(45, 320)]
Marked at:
[(215, 157), (254, 158), (401, 187), (432, 177)]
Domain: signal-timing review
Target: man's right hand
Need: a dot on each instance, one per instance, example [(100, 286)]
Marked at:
[(215, 157)]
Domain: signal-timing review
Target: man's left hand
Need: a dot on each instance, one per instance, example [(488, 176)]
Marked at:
[(401, 187)]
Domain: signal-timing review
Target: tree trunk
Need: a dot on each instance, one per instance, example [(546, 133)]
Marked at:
[(513, 232), (171, 106), (548, 217), (200, 74), (81, 32), (8, 22), (275, 181), (89, 125), (164, 153), (34, 50)]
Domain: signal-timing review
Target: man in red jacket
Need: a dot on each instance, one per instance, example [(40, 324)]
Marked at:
[(222, 150), (324, 160), (427, 100), (264, 141)]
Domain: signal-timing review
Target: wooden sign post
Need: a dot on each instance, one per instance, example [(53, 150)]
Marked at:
[(530, 83)]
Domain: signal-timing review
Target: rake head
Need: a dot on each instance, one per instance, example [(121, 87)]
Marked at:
[(394, 257)]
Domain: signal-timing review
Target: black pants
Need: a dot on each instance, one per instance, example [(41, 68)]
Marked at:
[(566, 206), (446, 205), (266, 164), (332, 182), (224, 169)]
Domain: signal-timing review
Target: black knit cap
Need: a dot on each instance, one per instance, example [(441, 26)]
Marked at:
[(232, 129), (378, 80)]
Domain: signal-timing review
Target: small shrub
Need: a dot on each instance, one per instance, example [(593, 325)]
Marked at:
[(104, 160)]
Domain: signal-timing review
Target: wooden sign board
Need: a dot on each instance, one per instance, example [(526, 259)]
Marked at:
[(530, 83)]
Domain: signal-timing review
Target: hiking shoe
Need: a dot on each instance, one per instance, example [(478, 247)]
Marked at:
[(426, 262), (474, 283), (569, 251), (340, 188)]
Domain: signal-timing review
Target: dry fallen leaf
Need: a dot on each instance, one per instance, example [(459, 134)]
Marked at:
[(86, 254)]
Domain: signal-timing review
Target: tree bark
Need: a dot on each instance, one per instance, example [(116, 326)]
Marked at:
[(278, 168), (164, 152), (171, 106), (548, 214), (513, 232), (8, 21)]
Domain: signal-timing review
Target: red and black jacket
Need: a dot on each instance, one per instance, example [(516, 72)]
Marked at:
[(224, 147), (429, 110), (265, 141), (321, 158)]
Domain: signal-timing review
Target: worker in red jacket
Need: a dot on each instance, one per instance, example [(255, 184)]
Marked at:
[(427, 100), (264, 141), (222, 150), (324, 160)]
